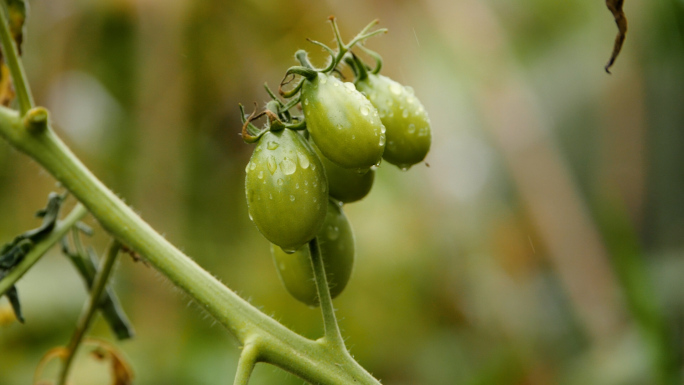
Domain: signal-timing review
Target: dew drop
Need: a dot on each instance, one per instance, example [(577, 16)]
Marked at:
[(272, 166), (411, 128), (260, 175), (339, 126), (306, 102), (395, 88), (410, 100), (405, 113), (250, 217), (324, 79), (280, 182), (292, 198), (306, 183), (289, 251), (353, 137), (409, 89), (315, 184), (270, 196), (252, 166), (247, 166), (390, 114), (288, 166), (349, 87), (313, 166), (423, 131), (303, 160), (315, 199), (336, 84), (272, 145), (365, 110), (297, 186), (382, 140), (383, 129), (333, 232)]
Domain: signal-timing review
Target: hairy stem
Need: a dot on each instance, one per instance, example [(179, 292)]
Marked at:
[(248, 359), (40, 248), (91, 306), (313, 361)]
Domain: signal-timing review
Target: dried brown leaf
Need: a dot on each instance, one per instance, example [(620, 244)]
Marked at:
[(615, 7)]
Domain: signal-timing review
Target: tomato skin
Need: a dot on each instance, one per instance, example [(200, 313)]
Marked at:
[(408, 126), (344, 184), (286, 189), (337, 248), (344, 125)]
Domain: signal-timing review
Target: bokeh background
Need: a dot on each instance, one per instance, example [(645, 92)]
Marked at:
[(544, 243)]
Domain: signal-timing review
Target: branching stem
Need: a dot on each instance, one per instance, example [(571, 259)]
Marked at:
[(40, 248), (248, 359), (91, 307)]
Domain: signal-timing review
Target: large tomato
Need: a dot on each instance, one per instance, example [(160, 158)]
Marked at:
[(286, 189), (336, 241), (342, 122), (408, 126)]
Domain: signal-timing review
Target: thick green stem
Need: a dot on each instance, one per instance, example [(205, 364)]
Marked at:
[(91, 306), (11, 58), (332, 330), (40, 248), (313, 361)]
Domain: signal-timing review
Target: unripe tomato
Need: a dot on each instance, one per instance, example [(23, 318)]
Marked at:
[(336, 244), (345, 184), (407, 123), (344, 125), (286, 189)]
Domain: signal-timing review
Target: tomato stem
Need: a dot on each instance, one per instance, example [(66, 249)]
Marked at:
[(92, 305), (332, 333), (11, 58)]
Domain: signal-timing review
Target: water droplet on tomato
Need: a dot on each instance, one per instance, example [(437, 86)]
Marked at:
[(272, 166), (382, 140), (350, 87), (260, 175), (365, 110), (292, 198), (395, 88), (306, 102), (333, 232), (303, 160), (405, 113), (411, 128), (324, 79), (252, 166), (288, 166), (272, 145), (280, 182), (382, 128)]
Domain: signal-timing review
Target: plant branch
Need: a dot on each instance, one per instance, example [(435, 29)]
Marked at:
[(331, 330), (95, 299), (85, 263), (248, 359), (310, 360), (11, 58), (41, 247)]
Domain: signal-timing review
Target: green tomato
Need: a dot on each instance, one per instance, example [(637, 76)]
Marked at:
[(344, 125), (286, 189), (336, 243), (407, 123), (346, 185)]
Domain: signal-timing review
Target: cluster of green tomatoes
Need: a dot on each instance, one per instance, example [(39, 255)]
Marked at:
[(304, 168)]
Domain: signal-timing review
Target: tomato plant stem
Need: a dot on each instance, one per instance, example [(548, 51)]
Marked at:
[(331, 329), (40, 248), (310, 360), (248, 359), (11, 58), (92, 305)]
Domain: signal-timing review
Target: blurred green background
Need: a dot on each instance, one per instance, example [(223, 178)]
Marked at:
[(544, 243)]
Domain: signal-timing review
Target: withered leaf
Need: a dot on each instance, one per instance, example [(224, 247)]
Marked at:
[(615, 7)]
